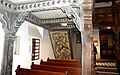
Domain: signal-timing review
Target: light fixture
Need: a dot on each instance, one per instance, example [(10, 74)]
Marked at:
[(95, 43), (64, 24), (108, 27)]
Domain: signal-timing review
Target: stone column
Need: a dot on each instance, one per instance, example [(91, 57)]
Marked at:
[(11, 23), (87, 53), (84, 25), (7, 55)]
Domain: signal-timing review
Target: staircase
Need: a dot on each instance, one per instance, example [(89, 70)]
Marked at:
[(106, 67)]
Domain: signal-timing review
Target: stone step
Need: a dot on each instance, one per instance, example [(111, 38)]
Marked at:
[(106, 69), (106, 73)]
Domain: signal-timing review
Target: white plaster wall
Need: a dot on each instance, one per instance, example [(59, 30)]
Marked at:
[(96, 37), (1, 43), (26, 32), (24, 56), (45, 43), (46, 47)]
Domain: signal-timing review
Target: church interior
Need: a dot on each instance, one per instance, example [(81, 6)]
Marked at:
[(59, 37)]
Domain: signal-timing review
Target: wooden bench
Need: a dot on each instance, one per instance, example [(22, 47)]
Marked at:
[(64, 60), (76, 65), (24, 71), (70, 70)]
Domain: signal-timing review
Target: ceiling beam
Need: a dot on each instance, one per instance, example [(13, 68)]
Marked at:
[(46, 23)]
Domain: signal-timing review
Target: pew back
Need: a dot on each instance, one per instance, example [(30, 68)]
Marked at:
[(70, 70), (61, 64), (24, 71), (64, 60)]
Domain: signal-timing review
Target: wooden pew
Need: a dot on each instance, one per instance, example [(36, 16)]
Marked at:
[(76, 65), (70, 70), (24, 71), (64, 60)]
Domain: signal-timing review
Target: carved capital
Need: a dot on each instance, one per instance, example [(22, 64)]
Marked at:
[(18, 21), (10, 36), (12, 21), (4, 20)]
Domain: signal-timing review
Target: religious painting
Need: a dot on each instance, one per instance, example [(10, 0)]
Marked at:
[(60, 44)]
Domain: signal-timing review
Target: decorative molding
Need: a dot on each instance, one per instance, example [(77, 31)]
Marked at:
[(69, 26), (18, 21), (42, 5), (35, 20), (78, 20), (7, 6), (45, 23)]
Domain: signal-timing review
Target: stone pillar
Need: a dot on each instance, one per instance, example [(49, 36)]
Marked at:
[(7, 55), (11, 23), (84, 25), (87, 53)]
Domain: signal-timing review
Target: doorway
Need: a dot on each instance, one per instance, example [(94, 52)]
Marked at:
[(107, 49)]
